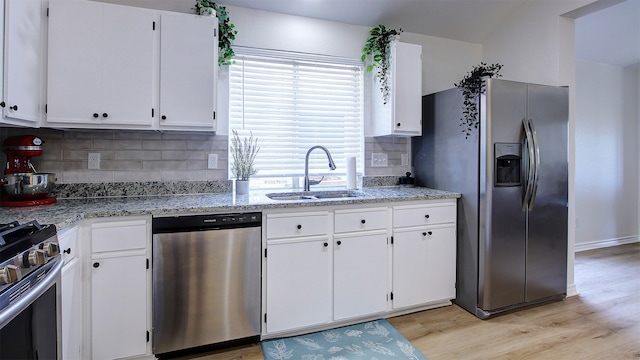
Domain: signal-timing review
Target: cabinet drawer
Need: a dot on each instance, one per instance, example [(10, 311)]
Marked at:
[(361, 220), (68, 241), (404, 216), (118, 236), (293, 225)]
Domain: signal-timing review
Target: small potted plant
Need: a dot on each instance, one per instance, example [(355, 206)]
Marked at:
[(243, 153), (472, 85), (378, 47), (226, 29)]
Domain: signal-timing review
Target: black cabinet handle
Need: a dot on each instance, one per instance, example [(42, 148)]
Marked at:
[(363, 221), (299, 227), (424, 234), (326, 244), (339, 242), (430, 232), (14, 107), (95, 115), (2, 104), (67, 251), (104, 115), (96, 264), (426, 216), (164, 117)]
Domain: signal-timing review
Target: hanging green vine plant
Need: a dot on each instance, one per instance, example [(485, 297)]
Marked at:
[(226, 30), (472, 85), (377, 46)]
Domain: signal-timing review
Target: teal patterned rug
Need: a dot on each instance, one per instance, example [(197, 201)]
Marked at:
[(375, 340)]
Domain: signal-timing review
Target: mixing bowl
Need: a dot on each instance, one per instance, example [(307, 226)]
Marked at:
[(28, 186)]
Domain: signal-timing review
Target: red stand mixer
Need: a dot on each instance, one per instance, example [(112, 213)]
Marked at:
[(22, 185)]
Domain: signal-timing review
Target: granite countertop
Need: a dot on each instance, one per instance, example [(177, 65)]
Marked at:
[(66, 212)]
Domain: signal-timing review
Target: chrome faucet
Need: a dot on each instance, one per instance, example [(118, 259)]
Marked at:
[(332, 166)]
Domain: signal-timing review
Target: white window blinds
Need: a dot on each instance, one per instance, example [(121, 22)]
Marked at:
[(291, 102)]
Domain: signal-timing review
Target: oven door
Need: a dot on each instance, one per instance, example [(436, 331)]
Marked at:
[(30, 326)]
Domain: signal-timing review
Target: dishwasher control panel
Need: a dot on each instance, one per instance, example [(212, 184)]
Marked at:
[(206, 222)]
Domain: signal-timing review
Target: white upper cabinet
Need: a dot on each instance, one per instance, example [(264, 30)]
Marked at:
[(23, 62), (100, 65), (402, 113), (188, 71)]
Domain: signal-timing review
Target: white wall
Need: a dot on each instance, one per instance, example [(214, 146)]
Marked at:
[(606, 155)]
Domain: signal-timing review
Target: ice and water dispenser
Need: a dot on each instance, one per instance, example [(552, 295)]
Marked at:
[(508, 157)]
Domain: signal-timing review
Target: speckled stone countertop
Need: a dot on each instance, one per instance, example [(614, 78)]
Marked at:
[(67, 212)]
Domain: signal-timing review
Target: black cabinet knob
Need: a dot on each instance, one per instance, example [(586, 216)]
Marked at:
[(326, 244), (339, 242), (398, 124), (164, 117), (104, 115), (67, 251), (96, 264), (14, 107), (299, 227), (424, 234), (95, 115), (430, 232), (2, 104), (426, 216), (363, 221)]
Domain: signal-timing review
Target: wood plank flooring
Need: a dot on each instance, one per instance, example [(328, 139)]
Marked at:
[(603, 322)]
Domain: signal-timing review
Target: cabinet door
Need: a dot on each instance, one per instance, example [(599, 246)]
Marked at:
[(128, 64), (188, 71), (441, 263), (100, 66), (72, 310), (410, 268), (360, 275), (74, 76), (407, 89), (119, 306), (299, 285), (23, 54)]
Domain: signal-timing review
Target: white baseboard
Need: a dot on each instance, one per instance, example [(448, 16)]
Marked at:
[(572, 290), (605, 243)]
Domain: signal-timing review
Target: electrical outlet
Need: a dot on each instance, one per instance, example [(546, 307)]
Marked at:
[(379, 160), (212, 161), (94, 161)]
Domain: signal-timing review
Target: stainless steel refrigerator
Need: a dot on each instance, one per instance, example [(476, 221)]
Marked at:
[(512, 172)]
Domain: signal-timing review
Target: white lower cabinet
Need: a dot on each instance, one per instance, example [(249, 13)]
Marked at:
[(424, 254), (71, 289), (120, 290), (339, 266)]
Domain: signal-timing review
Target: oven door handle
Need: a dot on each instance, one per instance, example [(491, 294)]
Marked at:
[(25, 301)]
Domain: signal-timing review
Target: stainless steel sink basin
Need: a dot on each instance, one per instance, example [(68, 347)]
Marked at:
[(313, 195)]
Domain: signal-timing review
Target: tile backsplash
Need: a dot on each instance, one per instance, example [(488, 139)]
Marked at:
[(147, 156)]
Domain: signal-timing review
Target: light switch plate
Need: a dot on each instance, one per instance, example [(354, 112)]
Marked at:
[(212, 161), (379, 160), (93, 161)]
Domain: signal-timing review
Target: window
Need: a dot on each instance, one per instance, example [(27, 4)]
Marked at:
[(292, 102)]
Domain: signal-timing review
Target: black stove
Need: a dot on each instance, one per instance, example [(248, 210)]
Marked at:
[(25, 248)]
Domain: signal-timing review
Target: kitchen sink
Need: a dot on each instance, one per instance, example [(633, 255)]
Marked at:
[(314, 195)]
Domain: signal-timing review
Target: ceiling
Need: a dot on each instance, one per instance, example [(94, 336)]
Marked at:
[(611, 35)]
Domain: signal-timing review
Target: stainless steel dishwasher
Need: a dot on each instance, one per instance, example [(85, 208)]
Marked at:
[(206, 280)]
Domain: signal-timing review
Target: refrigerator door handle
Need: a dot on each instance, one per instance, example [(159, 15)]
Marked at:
[(527, 147), (536, 172)]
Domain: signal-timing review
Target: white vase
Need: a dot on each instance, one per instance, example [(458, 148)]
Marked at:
[(242, 186)]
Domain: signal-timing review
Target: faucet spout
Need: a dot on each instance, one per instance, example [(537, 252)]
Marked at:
[(332, 165)]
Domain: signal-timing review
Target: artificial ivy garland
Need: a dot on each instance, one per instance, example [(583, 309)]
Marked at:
[(377, 45), (472, 85), (226, 30)]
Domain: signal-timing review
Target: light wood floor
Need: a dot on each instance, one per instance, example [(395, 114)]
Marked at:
[(603, 322)]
